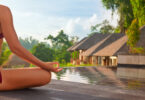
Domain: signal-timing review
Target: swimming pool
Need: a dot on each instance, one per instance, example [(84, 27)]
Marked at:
[(129, 78)]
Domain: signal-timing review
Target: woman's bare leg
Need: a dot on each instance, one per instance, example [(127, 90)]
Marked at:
[(20, 78)]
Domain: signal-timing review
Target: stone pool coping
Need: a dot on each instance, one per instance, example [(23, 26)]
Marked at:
[(64, 90)]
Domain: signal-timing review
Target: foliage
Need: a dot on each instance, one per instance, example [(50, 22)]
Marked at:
[(28, 43), (124, 9), (72, 65), (139, 11), (60, 44), (62, 55), (133, 33), (55, 52), (61, 40), (5, 53), (128, 10), (111, 4), (75, 55), (67, 65), (137, 50), (103, 27), (117, 29), (132, 17), (43, 52), (74, 39)]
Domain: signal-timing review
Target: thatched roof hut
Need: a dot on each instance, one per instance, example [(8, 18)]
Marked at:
[(103, 43), (74, 47), (112, 48), (92, 40), (93, 48), (14, 60)]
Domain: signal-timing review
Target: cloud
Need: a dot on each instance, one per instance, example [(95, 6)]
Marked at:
[(93, 20), (39, 19), (81, 26), (72, 25), (112, 19), (45, 25)]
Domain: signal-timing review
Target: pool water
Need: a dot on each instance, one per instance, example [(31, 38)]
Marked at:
[(129, 78)]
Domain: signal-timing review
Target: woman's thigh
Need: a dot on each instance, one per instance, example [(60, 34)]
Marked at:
[(24, 77)]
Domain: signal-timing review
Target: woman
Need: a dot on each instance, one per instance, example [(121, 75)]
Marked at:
[(19, 78)]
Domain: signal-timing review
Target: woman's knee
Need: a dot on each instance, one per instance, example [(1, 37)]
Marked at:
[(45, 77), (32, 77)]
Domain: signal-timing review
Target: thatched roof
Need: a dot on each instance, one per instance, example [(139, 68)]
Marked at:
[(141, 42), (123, 50), (92, 40), (74, 47), (89, 51), (108, 41), (112, 48), (97, 42), (15, 60)]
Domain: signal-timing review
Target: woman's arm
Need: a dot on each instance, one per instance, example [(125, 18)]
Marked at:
[(14, 44)]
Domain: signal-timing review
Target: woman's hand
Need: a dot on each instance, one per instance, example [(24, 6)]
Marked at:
[(54, 66)]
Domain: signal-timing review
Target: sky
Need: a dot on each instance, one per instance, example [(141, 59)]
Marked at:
[(39, 18)]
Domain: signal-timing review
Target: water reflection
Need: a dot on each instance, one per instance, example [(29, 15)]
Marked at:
[(128, 78)]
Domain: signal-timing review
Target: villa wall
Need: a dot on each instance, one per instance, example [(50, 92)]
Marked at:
[(131, 72), (131, 59)]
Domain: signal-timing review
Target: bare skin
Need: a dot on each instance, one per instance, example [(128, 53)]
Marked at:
[(11, 77)]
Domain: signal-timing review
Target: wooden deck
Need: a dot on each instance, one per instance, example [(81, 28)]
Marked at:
[(62, 90)]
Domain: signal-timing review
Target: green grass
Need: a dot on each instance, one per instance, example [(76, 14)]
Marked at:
[(61, 65), (71, 65)]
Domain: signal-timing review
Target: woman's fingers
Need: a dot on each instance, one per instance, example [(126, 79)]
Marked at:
[(60, 69), (56, 68), (54, 63)]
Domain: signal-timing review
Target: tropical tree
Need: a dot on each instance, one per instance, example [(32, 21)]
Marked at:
[(43, 52), (133, 33), (74, 39), (103, 27), (138, 7), (124, 9), (28, 42), (60, 44), (61, 40), (132, 17)]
